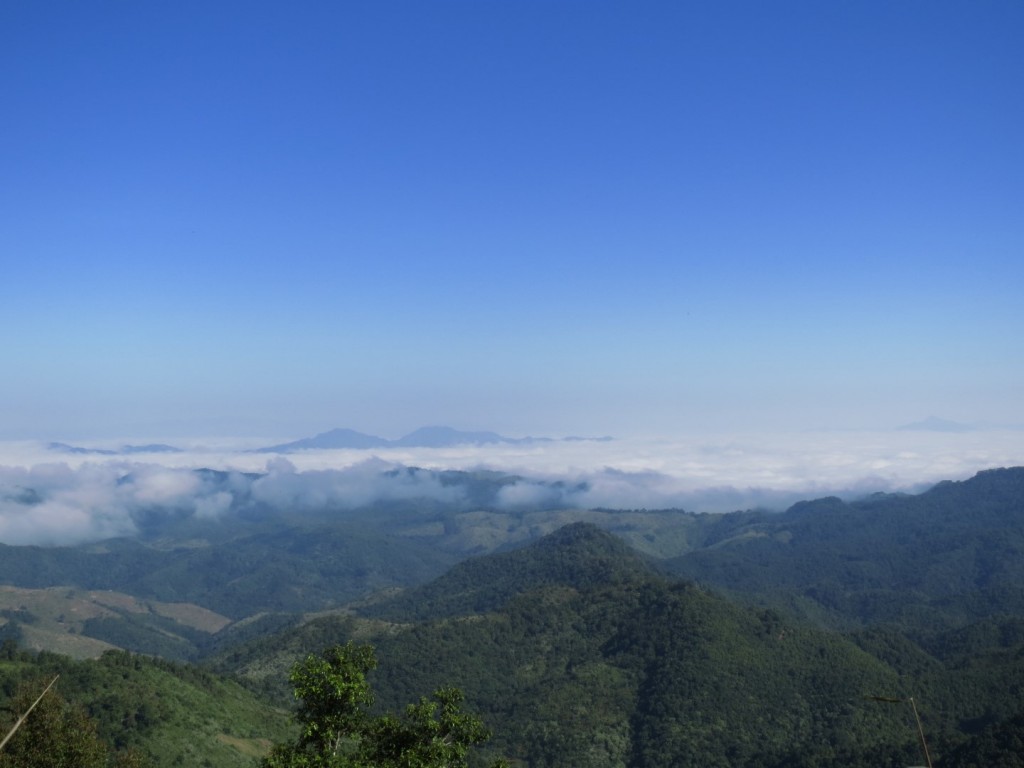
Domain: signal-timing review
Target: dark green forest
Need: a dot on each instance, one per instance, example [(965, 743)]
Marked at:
[(750, 639), (599, 660)]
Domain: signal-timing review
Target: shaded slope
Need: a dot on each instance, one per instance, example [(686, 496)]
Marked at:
[(576, 653), (604, 665), (283, 569), (955, 552), (177, 715), (577, 556)]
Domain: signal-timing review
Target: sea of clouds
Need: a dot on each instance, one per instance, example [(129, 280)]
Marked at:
[(50, 497)]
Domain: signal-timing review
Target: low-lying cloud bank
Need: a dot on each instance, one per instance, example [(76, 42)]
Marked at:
[(84, 498), (58, 504)]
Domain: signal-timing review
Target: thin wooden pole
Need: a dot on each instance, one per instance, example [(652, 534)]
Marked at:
[(917, 719), (920, 732), (21, 719)]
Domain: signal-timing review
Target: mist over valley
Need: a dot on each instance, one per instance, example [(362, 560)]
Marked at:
[(64, 494)]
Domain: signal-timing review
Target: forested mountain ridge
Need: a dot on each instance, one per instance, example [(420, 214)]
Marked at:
[(578, 555), (948, 556), (578, 650), (952, 554), (297, 568), (575, 665)]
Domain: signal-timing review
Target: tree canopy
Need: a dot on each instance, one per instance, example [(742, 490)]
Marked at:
[(57, 734), (338, 731)]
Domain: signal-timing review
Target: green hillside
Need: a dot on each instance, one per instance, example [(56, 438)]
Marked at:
[(84, 624), (951, 555), (174, 714), (282, 569), (578, 554), (797, 639), (580, 655)]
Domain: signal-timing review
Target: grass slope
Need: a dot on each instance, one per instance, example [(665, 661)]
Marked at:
[(176, 714), (84, 624)]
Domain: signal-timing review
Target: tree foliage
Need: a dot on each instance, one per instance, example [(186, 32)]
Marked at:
[(146, 711), (56, 734), (337, 730)]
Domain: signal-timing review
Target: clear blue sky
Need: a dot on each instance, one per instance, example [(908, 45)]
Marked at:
[(535, 217)]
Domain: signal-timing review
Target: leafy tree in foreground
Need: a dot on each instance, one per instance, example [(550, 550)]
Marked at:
[(60, 735), (338, 732)]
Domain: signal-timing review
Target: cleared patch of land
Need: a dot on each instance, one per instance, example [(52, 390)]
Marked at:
[(54, 618)]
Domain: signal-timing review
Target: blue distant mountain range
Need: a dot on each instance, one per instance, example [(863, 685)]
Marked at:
[(936, 424), (124, 449), (425, 437)]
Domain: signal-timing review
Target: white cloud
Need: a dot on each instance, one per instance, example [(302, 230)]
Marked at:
[(55, 503), (78, 499), (353, 486), (527, 494)]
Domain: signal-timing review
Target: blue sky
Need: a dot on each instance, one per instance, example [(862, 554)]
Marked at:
[(550, 217)]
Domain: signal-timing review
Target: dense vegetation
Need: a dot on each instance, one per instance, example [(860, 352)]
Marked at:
[(951, 555), (782, 647), (337, 730), (173, 714), (301, 568), (614, 665)]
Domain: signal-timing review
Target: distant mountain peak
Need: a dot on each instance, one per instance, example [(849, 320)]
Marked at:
[(441, 437), (579, 556), (424, 437), (936, 424), (124, 449), (333, 439)]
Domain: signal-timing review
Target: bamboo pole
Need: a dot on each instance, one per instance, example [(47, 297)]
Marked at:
[(21, 719), (917, 719), (920, 732)]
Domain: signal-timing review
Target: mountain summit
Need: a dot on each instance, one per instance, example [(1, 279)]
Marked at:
[(424, 437), (443, 437), (578, 556), (335, 438)]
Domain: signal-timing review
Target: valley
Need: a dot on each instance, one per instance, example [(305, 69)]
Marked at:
[(587, 637)]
